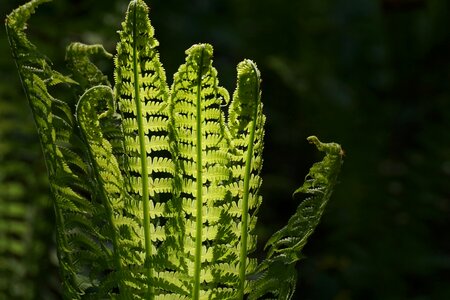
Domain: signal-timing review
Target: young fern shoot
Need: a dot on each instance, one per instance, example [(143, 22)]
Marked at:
[(156, 188)]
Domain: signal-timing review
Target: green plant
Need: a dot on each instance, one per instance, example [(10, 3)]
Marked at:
[(156, 189)]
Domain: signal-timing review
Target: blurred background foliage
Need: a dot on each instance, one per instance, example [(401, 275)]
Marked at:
[(373, 75)]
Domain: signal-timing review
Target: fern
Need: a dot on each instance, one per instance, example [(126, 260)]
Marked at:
[(276, 275), (156, 189)]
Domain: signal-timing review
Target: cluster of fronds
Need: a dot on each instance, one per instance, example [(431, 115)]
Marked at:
[(156, 188)]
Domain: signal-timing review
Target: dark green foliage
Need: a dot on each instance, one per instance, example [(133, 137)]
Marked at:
[(155, 190), (26, 231)]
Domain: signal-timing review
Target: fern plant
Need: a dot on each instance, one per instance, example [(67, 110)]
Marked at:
[(156, 188)]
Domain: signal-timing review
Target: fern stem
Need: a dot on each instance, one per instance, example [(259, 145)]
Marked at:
[(246, 192), (199, 208), (144, 170)]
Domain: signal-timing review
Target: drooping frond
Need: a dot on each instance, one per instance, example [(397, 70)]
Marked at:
[(284, 247)]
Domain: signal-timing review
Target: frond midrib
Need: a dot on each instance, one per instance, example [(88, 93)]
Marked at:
[(199, 204), (143, 159)]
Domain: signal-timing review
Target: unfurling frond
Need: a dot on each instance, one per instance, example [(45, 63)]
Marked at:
[(85, 72), (286, 244)]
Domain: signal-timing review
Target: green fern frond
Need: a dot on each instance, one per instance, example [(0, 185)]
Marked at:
[(318, 187), (246, 122), (200, 152), (284, 247), (142, 94)]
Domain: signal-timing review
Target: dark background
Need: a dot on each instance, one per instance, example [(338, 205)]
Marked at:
[(372, 75)]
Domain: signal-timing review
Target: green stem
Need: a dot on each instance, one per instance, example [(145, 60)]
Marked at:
[(199, 223), (144, 170), (246, 192)]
